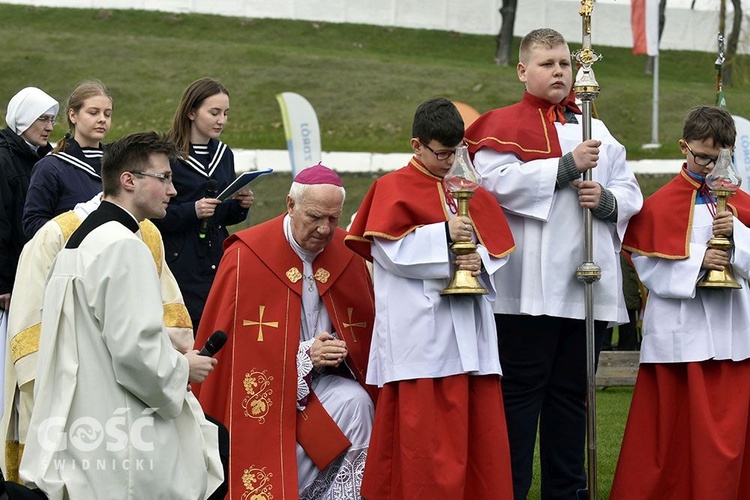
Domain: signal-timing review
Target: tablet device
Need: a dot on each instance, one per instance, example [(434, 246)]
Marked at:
[(241, 181)]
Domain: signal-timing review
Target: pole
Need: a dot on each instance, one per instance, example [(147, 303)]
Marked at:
[(654, 144), (586, 90), (655, 104)]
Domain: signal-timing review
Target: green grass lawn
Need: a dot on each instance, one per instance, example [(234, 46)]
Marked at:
[(612, 406), (364, 81)]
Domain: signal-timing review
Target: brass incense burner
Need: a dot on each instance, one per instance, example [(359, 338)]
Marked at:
[(723, 181), (462, 180)]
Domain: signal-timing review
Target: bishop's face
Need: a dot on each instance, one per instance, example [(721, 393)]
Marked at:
[(314, 219)]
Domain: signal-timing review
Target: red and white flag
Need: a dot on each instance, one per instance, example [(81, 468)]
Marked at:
[(644, 16)]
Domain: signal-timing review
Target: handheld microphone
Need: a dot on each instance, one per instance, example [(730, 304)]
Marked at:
[(211, 187), (214, 343)]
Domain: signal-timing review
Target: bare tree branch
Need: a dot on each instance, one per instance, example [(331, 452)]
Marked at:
[(733, 42)]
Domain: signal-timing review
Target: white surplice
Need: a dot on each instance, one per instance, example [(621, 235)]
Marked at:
[(418, 333), (683, 322), (21, 357), (547, 226), (112, 417)]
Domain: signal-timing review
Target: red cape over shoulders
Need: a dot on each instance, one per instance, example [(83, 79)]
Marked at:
[(662, 228), (401, 201), (525, 129)]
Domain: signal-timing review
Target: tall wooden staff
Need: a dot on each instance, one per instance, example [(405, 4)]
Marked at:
[(586, 90)]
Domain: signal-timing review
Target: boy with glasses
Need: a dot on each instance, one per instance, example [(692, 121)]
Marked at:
[(687, 432), (439, 429)]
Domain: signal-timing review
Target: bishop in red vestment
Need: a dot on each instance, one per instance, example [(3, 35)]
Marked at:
[(298, 309)]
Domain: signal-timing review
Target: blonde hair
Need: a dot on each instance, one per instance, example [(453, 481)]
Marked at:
[(192, 98), (84, 90), (546, 37)]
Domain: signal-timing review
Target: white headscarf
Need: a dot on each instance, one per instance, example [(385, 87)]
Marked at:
[(28, 105)]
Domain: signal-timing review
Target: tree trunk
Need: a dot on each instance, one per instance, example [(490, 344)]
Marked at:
[(662, 20), (733, 41), (504, 39)]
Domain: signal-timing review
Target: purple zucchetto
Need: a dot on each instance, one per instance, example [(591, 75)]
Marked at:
[(318, 174)]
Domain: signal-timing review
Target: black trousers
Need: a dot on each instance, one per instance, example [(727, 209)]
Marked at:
[(544, 385), (15, 491), (223, 489)]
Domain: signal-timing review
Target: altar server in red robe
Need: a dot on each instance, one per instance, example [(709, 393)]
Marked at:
[(439, 428), (688, 432)]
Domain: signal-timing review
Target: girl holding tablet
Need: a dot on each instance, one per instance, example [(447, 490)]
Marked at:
[(196, 223)]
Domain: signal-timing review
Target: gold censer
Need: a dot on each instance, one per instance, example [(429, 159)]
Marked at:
[(723, 181), (462, 180)]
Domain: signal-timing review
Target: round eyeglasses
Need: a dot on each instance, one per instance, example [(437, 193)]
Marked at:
[(701, 160), (440, 155), (47, 119)]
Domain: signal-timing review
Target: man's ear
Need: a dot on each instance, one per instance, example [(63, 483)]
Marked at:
[(289, 204), (127, 181)]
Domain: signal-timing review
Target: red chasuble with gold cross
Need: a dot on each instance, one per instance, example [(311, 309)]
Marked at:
[(256, 300)]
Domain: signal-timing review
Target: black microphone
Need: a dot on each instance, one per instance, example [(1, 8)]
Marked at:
[(214, 343), (211, 186)]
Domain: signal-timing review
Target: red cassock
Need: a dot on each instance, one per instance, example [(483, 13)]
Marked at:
[(441, 437), (686, 435), (256, 300)]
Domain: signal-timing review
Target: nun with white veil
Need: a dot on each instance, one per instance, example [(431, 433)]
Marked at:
[(30, 118)]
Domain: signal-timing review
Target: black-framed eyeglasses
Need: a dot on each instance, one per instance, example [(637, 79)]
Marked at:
[(47, 119), (440, 155), (163, 177), (701, 160)]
